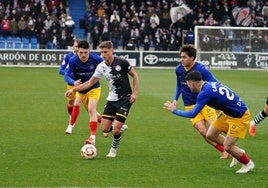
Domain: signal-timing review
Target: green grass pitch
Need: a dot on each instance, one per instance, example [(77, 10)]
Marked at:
[(158, 150)]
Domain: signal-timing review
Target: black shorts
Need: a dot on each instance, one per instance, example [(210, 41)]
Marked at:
[(117, 109)]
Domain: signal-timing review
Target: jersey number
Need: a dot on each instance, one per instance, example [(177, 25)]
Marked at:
[(225, 91)]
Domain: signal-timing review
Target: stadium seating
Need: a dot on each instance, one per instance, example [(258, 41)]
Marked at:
[(25, 43), (2, 42), (77, 12), (17, 43), (34, 43), (10, 43)]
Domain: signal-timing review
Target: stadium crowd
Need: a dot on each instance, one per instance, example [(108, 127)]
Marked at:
[(129, 24)]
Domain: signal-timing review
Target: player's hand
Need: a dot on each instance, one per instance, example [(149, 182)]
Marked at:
[(133, 98), (169, 106), (174, 102), (77, 82), (68, 93)]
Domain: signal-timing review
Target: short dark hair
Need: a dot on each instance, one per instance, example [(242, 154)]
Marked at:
[(83, 44), (189, 49), (194, 76)]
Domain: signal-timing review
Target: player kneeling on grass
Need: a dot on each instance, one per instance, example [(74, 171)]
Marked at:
[(261, 116), (233, 119)]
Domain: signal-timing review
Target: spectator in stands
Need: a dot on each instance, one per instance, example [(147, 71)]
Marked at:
[(54, 17), (229, 36), (158, 42), (63, 40), (22, 24), (62, 21), (39, 25), (144, 29), (42, 14), (14, 29), (135, 21), (70, 24), (30, 27), (43, 39), (6, 26), (130, 45), (95, 37), (146, 43), (15, 15), (2, 9), (158, 9), (54, 39), (47, 24), (105, 32), (154, 23), (135, 36), (205, 43), (27, 10), (123, 11), (115, 17), (90, 13), (149, 11), (125, 35), (101, 11), (61, 9), (175, 43), (112, 25), (165, 37), (52, 4), (190, 20), (265, 11), (89, 28), (165, 20), (70, 40), (8, 10), (189, 39), (115, 36)]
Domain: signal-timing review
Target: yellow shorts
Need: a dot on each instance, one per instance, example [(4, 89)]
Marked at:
[(71, 97), (236, 127), (92, 94), (206, 113)]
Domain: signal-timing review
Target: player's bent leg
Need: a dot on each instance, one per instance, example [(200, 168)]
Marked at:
[(202, 129), (106, 127)]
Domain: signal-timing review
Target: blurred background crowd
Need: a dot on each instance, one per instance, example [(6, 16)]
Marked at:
[(130, 24)]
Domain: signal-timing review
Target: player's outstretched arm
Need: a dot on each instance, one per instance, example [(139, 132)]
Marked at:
[(83, 86)]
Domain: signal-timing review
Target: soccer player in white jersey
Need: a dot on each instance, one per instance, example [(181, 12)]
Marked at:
[(121, 95)]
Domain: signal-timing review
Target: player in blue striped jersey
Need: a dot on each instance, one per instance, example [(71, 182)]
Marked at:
[(207, 115), (62, 70), (80, 69), (233, 119)]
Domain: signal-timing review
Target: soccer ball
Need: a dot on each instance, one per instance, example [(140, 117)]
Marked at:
[(88, 151)]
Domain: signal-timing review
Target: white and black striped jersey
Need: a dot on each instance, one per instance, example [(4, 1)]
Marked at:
[(116, 75)]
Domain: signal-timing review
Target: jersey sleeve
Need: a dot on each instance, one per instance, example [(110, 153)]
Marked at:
[(64, 63), (98, 72), (177, 88), (201, 101), (189, 113), (207, 75), (68, 73), (62, 67)]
